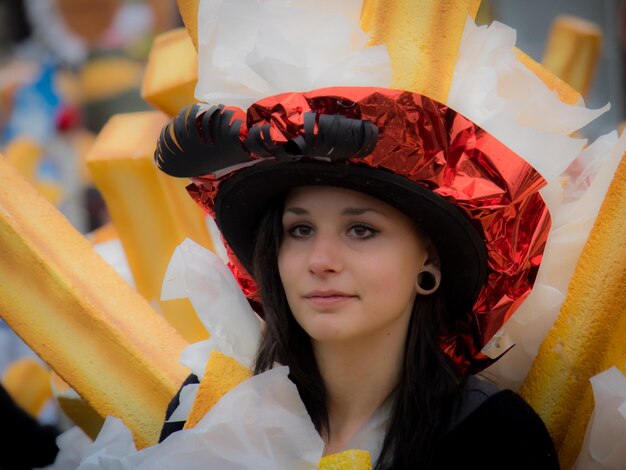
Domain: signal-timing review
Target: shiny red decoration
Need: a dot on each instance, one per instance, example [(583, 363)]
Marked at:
[(68, 117), (438, 148)]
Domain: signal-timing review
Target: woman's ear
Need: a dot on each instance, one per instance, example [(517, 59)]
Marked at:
[(429, 276)]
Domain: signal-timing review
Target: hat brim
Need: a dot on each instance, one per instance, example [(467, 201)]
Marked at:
[(245, 197)]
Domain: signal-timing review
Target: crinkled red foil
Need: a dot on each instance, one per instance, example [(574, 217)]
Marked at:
[(434, 146)]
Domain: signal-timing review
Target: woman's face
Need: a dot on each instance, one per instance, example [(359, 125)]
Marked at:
[(348, 263)]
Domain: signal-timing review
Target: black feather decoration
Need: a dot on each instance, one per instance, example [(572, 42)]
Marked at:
[(337, 138), (189, 146), (260, 143)]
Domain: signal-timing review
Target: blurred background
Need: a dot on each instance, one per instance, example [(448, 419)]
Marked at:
[(67, 66)]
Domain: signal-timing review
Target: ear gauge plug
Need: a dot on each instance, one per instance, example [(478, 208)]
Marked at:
[(427, 281)]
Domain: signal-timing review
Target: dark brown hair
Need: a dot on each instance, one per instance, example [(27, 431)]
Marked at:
[(428, 391)]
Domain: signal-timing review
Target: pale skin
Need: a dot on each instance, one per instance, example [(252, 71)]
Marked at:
[(349, 264)]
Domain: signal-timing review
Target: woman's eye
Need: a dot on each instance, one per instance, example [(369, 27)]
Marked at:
[(300, 231), (362, 231)]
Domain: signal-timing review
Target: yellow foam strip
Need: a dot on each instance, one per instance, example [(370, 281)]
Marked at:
[(588, 336), (28, 383), (572, 51), (151, 211), (106, 77), (422, 39), (169, 88), (189, 13), (352, 459), (473, 9), (369, 10), (80, 317), (24, 154), (222, 374)]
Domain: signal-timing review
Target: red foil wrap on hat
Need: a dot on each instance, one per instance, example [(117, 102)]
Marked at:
[(433, 146)]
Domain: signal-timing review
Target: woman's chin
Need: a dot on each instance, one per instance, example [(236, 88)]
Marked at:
[(328, 327)]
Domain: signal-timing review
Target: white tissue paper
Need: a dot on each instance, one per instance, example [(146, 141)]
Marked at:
[(260, 424), (496, 91), (73, 447), (604, 447), (198, 274), (201, 276), (250, 49)]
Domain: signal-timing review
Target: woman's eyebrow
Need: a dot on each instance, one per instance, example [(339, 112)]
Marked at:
[(346, 211), (360, 211), (296, 210)]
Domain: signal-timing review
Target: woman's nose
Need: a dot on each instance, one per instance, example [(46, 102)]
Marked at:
[(325, 255)]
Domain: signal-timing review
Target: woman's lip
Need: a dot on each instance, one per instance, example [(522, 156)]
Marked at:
[(328, 300), (328, 293)]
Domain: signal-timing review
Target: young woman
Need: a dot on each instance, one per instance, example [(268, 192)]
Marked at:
[(389, 238)]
